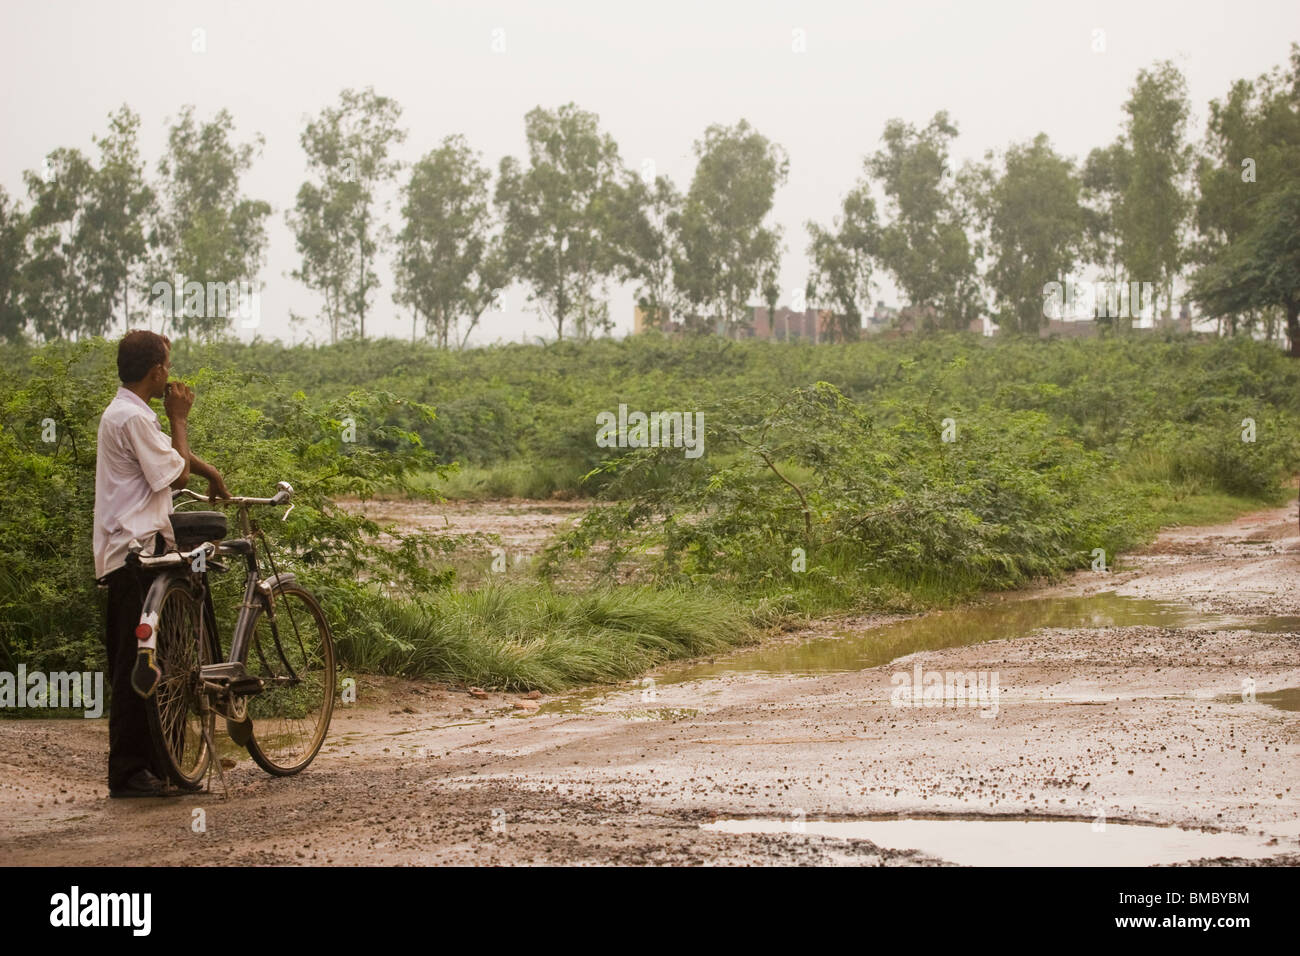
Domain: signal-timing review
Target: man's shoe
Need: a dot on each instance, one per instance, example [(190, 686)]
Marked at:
[(142, 783), (185, 787)]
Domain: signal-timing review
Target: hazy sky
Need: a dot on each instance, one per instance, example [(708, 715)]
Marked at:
[(657, 74)]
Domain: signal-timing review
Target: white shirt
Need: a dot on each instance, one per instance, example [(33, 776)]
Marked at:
[(134, 468)]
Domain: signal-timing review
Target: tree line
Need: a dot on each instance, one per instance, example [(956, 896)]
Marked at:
[(97, 234)]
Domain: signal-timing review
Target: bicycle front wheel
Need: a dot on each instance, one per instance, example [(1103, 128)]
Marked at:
[(292, 651), (176, 720)]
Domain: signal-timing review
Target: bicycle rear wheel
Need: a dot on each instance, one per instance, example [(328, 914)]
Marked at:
[(292, 651), (175, 719)]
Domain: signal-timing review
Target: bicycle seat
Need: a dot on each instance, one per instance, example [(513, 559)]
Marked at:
[(192, 528)]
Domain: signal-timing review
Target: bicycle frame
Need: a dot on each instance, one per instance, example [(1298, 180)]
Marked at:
[(257, 667), (258, 591)]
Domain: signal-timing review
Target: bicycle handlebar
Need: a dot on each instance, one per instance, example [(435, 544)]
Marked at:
[(208, 549), (281, 497)]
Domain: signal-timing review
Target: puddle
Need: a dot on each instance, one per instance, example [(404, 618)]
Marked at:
[(1283, 624), (658, 713), (963, 626), (959, 627), (1288, 698), (229, 749), (571, 704), (1022, 842), (581, 701)]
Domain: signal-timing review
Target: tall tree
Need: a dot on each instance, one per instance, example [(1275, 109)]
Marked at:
[(556, 214), (843, 260), (122, 204), (725, 247), (924, 242), (448, 267), (770, 288), (1248, 213), (207, 230), (58, 298), (644, 221), (1104, 180), (1262, 268), (87, 239), (1035, 226), (348, 149), (1224, 199), (1155, 203), (1251, 151), (13, 259)]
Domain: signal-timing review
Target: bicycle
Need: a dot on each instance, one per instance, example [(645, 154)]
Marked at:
[(276, 687)]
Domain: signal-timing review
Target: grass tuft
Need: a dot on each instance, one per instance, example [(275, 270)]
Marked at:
[(520, 637)]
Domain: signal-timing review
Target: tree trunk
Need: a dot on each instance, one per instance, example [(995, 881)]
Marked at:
[(1293, 326), (361, 285), (559, 312), (334, 320)]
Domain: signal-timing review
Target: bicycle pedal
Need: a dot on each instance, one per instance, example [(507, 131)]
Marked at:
[(231, 671), (246, 686)]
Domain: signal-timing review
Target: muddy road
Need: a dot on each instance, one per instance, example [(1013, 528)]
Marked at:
[(1146, 715)]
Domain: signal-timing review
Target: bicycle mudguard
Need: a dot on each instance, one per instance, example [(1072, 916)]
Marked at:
[(269, 585), (146, 674), (146, 630)]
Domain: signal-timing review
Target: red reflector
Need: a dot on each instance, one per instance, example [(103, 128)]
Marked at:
[(143, 631)]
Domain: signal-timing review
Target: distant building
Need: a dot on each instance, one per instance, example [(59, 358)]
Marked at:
[(1068, 329), (883, 317), (787, 325), (1087, 328), (809, 325), (641, 320)]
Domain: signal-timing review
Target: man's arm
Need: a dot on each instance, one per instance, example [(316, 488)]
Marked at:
[(216, 484), (177, 404), (180, 441)]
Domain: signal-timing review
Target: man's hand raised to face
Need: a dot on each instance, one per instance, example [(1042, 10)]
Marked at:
[(178, 400)]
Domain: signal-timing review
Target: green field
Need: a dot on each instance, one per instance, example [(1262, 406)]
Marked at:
[(893, 475)]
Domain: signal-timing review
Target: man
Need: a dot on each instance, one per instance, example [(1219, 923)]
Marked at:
[(135, 471)]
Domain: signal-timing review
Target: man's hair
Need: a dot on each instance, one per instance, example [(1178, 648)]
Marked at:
[(138, 352)]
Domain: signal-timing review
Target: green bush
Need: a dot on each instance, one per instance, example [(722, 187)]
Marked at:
[(870, 502), (48, 599)]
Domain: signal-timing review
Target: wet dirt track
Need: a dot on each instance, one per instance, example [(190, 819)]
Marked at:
[(1136, 723)]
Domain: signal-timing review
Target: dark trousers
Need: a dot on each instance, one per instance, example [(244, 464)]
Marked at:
[(130, 746)]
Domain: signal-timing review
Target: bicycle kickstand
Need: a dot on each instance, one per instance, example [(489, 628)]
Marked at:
[(212, 754)]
